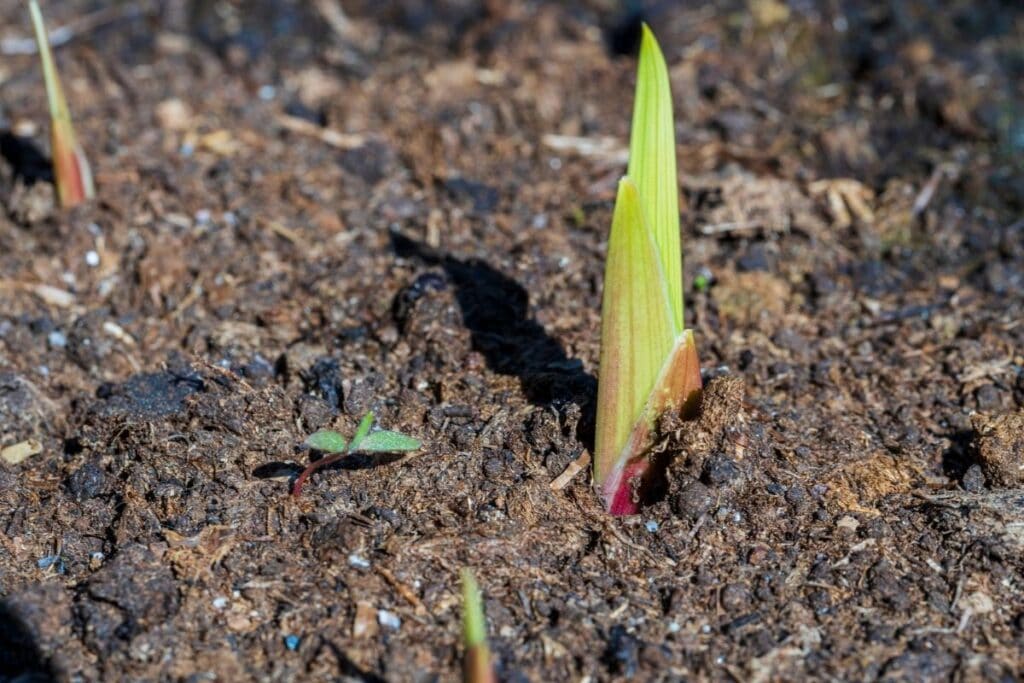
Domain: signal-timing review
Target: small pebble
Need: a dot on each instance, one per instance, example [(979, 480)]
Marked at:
[(358, 561), (291, 641), (651, 526), (974, 479), (267, 92), (388, 620), (46, 562), (203, 216), (220, 602), (57, 339), (92, 259)]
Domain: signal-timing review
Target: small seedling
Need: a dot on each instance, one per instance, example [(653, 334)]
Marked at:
[(477, 666), (649, 362), (363, 441), (70, 167)]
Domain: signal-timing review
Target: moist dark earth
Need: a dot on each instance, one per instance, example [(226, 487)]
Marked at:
[(310, 210)]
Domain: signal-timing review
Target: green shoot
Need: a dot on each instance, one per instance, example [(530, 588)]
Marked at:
[(364, 441), (71, 169), (648, 360), (477, 666), (362, 430), (652, 166)]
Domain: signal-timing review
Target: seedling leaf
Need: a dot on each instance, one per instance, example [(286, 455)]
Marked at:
[(70, 167), (361, 431), (384, 441), (332, 442), (327, 441), (637, 332), (652, 165)]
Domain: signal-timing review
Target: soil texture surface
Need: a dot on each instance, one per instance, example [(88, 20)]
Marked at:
[(310, 210)]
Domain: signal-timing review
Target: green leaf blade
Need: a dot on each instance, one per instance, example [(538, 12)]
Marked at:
[(327, 441), (361, 431), (385, 441), (474, 627), (637, 330), (652, 165)]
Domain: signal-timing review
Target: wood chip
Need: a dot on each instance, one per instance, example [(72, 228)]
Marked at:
[(365, 623), (326, 135), (21, 451), (574, 468)]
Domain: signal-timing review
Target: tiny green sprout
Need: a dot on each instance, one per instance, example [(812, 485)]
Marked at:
[(649, 362), (71, 169), (364, 441), (701, 282), (477, 665)]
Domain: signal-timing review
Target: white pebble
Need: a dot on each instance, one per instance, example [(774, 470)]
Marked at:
[(358, 561), (389, 620), (92, 259)]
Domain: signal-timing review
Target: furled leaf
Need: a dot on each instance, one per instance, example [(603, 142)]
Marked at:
[(384, 441), (477, 667), (652, 166), (677, 388), (70, 167), (361, 431), (327, 441), (637, 331)]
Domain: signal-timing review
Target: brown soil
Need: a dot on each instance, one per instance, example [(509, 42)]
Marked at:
[(413, 221)]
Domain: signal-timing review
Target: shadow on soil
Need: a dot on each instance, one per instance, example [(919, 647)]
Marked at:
[(25, 158), (495, 309), (20, 658), (958, 457)]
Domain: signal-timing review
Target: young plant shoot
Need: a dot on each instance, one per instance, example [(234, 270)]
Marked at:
[(364, 441), (70, 167), (477, 666), (649, 362)]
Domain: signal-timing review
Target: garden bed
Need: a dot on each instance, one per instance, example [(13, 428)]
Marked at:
[(303, 216)]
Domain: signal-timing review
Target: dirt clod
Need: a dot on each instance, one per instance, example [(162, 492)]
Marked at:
[(999, 444)]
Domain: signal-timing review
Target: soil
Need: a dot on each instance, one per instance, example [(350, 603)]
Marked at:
[(304, 215)]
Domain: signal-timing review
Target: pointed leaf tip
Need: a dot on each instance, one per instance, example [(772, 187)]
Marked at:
[(652, 164), (361, 431)]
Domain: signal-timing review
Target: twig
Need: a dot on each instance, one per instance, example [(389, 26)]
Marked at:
[(571, 470), (607, 148), (326, 135), (334, 15), (927, 193), (402, 589)]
